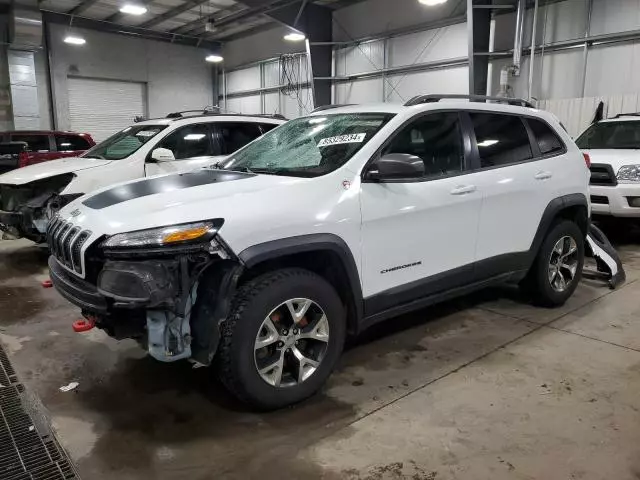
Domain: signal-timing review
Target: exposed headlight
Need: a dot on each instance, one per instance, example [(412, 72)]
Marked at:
[(629, 173), (169, 235)]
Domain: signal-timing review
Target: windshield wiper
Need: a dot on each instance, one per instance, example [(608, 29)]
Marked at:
[(99, 157)]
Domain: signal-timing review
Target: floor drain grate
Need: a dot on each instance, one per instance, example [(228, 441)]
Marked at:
[(25, 454)]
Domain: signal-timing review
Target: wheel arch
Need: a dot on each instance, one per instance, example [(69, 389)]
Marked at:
[(325, 254), (570, 207)]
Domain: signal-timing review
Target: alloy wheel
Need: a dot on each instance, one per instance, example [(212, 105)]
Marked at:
[(291, 342), (563, 263)]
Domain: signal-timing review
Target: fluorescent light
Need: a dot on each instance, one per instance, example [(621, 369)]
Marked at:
[(487, 143), (73, 40), (214, 58), (133, 9), (431, 3), (294, 37), (194, 136)]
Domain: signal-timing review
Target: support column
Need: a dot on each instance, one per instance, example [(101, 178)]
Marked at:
[(478, 28)]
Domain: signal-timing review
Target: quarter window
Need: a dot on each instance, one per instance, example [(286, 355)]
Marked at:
[(548, 141), (189, 142), (434, 138), (501, 139)]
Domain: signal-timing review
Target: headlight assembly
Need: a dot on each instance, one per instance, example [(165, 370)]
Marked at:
[(187, 233), (629, 174)]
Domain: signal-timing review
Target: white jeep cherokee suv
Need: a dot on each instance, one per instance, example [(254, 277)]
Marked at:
[(30, 196), (323, 227), (613, 146)]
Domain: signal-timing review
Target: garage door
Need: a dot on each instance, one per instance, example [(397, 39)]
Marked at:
[(103, 107)]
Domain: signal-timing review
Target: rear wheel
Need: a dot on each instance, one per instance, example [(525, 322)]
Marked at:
[(283, 337), (557, 268)]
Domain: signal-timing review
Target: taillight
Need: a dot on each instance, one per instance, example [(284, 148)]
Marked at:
[(23, 159), (587, 159)]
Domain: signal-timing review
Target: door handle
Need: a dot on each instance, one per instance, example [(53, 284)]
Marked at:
[(463, 189), (543, 175)]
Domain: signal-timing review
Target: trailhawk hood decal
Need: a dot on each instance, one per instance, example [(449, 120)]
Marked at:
[(162, 184), (49, 169)]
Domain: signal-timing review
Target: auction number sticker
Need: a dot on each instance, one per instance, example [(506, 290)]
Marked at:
[(351, 138)]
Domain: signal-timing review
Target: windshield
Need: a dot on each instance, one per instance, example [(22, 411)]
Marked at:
[(124, 143), (611, 135), (309, 146)]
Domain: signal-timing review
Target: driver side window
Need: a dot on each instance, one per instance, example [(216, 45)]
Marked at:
[(189, 142), (436, 139)]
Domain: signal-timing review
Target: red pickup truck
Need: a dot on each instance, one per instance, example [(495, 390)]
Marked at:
[(22, 148)]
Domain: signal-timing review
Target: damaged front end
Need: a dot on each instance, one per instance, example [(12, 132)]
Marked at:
[(172, 298), (25, 210)]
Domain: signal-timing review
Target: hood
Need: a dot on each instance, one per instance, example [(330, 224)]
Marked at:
[(48, 169), (614, 157), (179, 198)]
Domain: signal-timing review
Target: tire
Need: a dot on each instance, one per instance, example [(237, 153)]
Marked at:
[(538, 282), (253, 305)]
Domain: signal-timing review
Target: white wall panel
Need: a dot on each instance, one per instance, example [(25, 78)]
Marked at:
[(271, 72), (360, 91), (615, 16), (431, 45), (450, 80), (245, 79), (366, 57), (271, 103), (247, 105), (613, 69)]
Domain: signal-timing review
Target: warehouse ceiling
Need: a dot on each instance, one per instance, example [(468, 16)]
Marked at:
[(195, 18)]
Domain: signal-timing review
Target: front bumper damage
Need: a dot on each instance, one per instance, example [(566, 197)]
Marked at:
[(155, 302), (25, 210)]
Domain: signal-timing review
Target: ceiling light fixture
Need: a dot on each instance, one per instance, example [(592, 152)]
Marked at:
[(294, 37), (133, 9), (214, 58), (431, 3), (74, 40)]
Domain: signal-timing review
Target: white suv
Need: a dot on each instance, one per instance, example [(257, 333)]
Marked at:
[(30, 196), (323, 227), (613, 146)]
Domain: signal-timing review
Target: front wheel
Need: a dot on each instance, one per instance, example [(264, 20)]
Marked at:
[(284, 334), (557, 269)]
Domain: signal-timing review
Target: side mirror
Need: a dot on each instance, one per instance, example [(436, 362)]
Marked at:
[(162, 155), (395, 166)]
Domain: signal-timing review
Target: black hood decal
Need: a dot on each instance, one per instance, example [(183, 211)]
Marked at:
[(168, 183)]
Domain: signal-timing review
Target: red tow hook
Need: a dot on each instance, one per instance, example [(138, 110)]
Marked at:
[(47, 284), (84, 324)]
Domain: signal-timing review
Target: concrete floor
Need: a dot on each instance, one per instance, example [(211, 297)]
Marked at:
[(487, 387)]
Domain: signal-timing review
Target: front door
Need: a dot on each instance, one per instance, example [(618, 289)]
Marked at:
[(419, 235), (192, 146)]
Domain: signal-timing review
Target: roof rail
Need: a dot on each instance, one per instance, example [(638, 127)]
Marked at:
[(420, 99), (329, 107), (277, 116), (217, 111), (204, 111), (633, 114)]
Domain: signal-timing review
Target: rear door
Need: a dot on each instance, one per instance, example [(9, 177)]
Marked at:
[(69, 145), (235, 135), (517, 173), (40, 146)]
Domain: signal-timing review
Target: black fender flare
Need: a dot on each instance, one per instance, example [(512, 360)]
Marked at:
[(272, 250), (553, 210)]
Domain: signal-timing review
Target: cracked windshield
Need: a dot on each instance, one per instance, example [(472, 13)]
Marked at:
[(310, 146)]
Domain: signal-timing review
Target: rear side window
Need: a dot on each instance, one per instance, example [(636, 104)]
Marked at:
[(66, 143), (266, 127), (237, 135), (501, 139), (547, 139), (35, 143)]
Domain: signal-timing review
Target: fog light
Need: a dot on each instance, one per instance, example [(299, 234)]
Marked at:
[(634, 201)]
